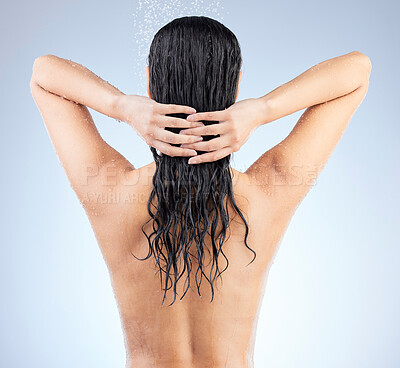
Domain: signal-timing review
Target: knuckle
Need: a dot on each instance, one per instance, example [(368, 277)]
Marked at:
[(152, 109), (154, 120), (147, 130), (236, 137), (210, 147)]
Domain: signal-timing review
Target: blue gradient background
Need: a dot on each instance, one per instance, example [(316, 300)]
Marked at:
[(332, 298)]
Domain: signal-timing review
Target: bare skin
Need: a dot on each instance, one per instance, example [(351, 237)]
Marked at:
[(194, 332)]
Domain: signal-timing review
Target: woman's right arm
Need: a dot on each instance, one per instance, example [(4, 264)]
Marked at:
[(321, 83), (331, 91)]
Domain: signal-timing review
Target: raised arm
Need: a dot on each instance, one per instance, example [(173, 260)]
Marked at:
[(321, 83), (331, 91), (64, 90)]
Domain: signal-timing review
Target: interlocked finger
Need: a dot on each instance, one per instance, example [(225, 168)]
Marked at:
[(169, 137), (210, 156), (212, 129), (169, 150), (210, 116), (171, 122), (211, 145)]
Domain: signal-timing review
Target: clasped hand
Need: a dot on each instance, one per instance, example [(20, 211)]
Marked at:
[(149, 119)]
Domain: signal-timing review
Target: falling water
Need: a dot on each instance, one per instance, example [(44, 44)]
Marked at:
[(150, 15)]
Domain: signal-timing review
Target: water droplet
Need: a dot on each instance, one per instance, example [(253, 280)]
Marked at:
[(151, 15)]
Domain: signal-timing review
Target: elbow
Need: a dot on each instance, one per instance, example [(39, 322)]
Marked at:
[(364, 68), (33, 80), (38, 67), (35, 69), (364, 60), (40, 61)]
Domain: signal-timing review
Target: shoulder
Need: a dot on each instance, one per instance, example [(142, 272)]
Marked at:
[(144, 174)]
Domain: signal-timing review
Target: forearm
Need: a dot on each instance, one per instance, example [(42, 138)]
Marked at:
[(76, 83), (323, 82)]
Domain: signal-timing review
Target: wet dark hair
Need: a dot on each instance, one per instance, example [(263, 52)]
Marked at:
[(193, 61)]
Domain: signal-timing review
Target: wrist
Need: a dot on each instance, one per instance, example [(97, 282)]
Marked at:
[(118, 107), (265, 110)]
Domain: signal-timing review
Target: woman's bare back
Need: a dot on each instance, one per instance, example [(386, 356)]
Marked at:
[(192, 332)]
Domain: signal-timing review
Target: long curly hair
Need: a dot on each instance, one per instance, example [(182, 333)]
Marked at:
[(193, 61)]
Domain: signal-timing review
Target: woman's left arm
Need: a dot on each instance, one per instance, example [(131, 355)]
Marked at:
[(63, 91)]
